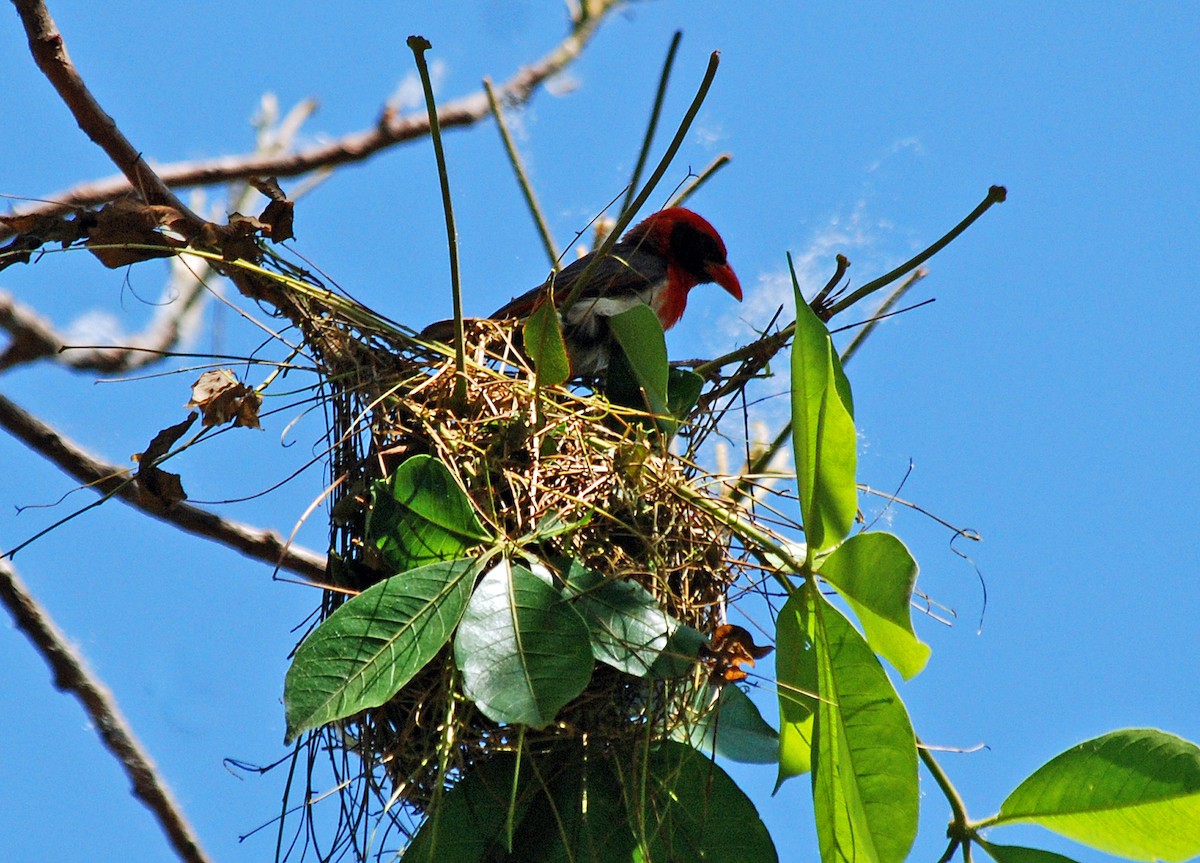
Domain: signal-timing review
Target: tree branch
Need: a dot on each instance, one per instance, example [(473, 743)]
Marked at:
[(72, 675), (50, 53), (391, 129), (112, 481)]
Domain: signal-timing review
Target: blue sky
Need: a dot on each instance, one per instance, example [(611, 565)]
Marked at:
[(1047, 399)]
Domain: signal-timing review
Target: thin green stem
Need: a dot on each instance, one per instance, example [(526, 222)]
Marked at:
[(843, 264), (514, 159), (749, 532), (655, 113), (886, 306), (995, 195), (960, 830), (703, 177), (626, 216), (419, 45)]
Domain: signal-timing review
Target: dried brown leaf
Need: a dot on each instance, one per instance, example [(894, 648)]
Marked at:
[(159, 484), (221, 397)]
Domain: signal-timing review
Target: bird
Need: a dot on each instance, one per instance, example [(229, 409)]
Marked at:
[(657, 263)]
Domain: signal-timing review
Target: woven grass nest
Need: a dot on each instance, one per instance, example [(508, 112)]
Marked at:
[(594, 483)]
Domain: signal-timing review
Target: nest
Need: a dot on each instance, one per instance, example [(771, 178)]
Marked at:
[(523, 455)]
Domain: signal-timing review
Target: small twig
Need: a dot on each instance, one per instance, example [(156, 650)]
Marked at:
[(514, 158), (419, 45), (995, 195), (818, 302), (358, 146), (72, 675), (652, 126), (627, 215), (960, 830), (107, 479), (880, 313), (703, 177)]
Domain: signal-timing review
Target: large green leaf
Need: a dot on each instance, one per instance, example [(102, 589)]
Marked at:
[(823, 438), (364, 652), (865, 790), (543, 338), (565, 806), (732, 728), (679, 655), (1020, 854), (579, 817), (1134, 792), (420, 515), (629, 629), (522, 649), (694, 811), (468, 826), (875, 574), (640, 335), (796, 682)]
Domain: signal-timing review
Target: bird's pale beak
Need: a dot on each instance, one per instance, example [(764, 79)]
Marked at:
[(724, 276)]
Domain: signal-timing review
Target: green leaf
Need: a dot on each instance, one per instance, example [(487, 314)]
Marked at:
[(543, 339), (522, 649), (683, 391), (679, 655), (865, 790), (578, 815), (421, 515), (823, 437), (371, 646), (1020, 854), (696, 812), (875, 574), (1134, 793), (732, 728), (628, 628), (796, 682), (469, 824), (640, 335)]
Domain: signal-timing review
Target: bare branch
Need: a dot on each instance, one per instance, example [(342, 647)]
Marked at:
[(391, 129), (50, 53), (112, 481), (72, 675)]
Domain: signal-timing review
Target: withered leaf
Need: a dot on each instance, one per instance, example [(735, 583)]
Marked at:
[(126, 222), (239, 238), (278, 214), (165, 487), (221, 397)]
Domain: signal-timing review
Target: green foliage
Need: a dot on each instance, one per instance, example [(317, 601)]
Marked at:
[(543, 339), (823, 439), (522, 649), (1020, 854), (627, 626), (574, 805), (362, 654), (698, 812), (1134, 793), (639, 374), (875, 574), (420, 515), (862, 751), (731, 727)]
